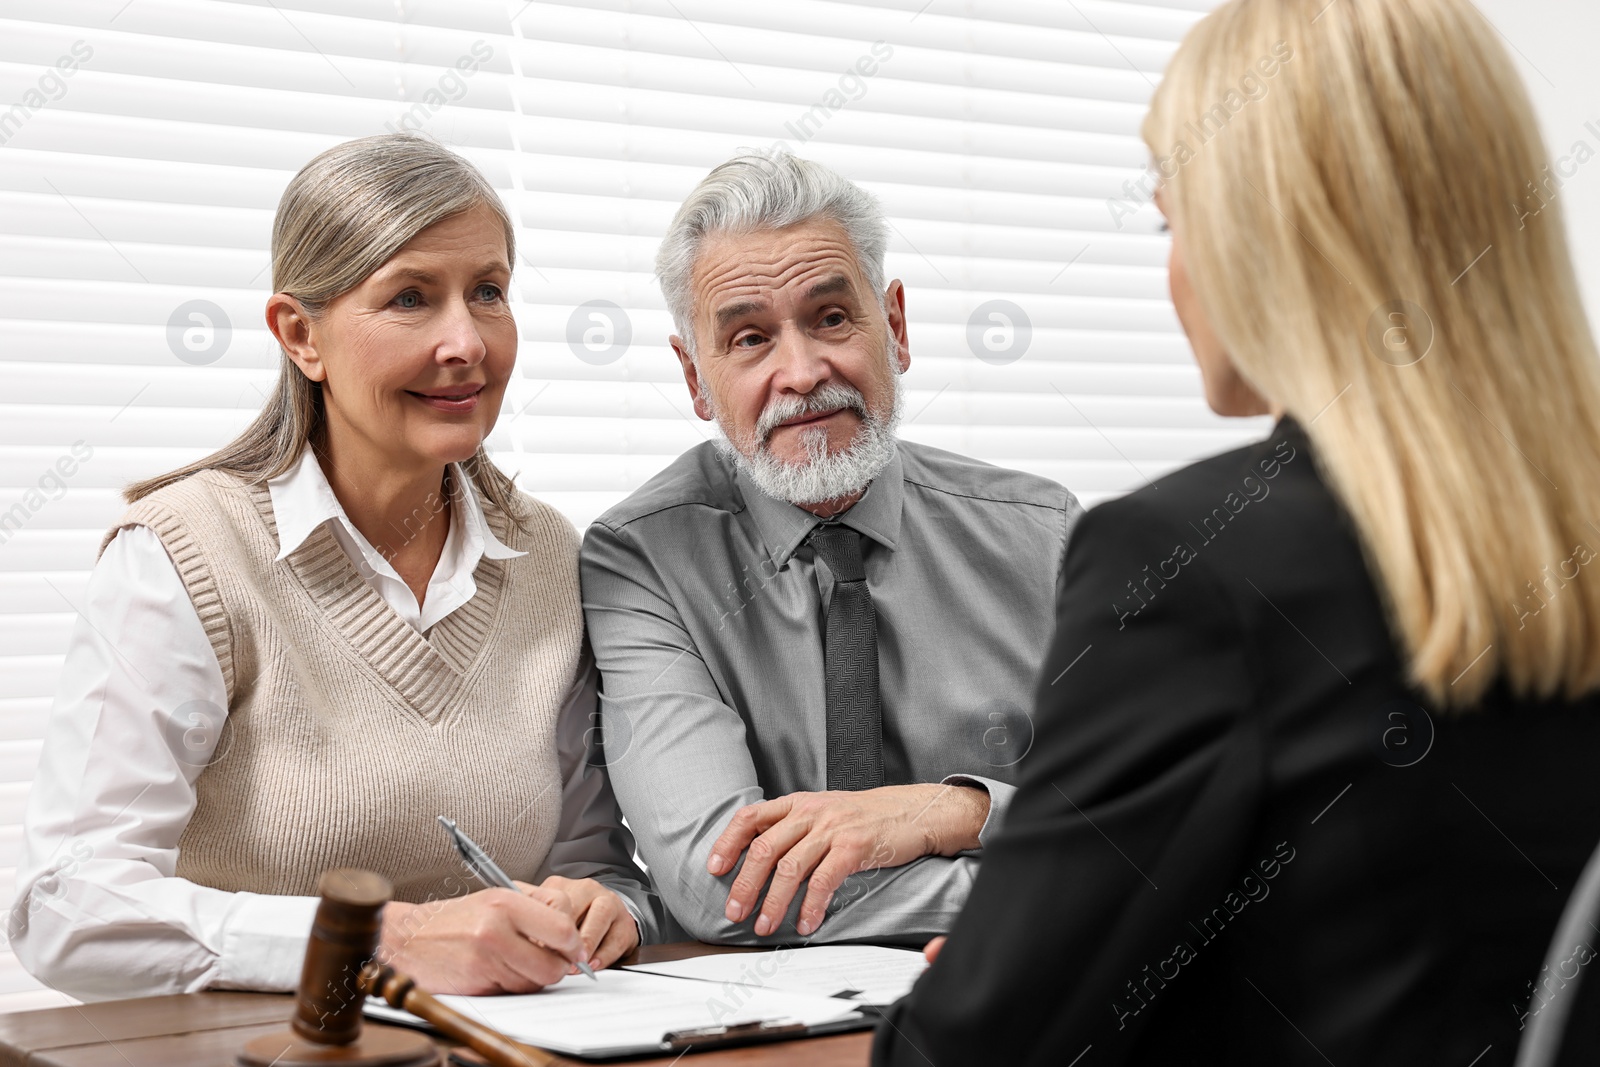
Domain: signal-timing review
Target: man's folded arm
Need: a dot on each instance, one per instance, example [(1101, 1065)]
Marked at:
[(680, 764)]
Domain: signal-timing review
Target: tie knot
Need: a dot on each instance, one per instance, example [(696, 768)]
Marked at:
[(840, 547)]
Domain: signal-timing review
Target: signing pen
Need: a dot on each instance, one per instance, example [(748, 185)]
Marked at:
[(488, 871)]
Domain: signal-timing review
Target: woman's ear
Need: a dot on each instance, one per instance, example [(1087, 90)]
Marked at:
[(289, 323)]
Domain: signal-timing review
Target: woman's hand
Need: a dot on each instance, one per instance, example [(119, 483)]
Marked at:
[(930, 951), (604, 922), (492, 941)]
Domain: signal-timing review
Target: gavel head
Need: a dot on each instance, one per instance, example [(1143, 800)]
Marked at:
[(326, 1028), (344, 937)]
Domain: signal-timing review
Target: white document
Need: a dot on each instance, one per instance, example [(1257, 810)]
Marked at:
[(627, 1011), (868, 974)]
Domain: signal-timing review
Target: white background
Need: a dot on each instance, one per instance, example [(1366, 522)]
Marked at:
[(995, 134), (1553, 43)]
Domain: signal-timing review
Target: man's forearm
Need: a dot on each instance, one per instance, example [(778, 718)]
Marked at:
[(1000, 794), (955, 818)]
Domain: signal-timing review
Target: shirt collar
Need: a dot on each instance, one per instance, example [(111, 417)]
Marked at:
[(784, 527), (479, 535), (303, 501)]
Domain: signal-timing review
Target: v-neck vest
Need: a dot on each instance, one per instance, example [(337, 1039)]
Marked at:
[(348, 732)]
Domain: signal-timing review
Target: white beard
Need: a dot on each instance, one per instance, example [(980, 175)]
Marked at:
[(822, 475)]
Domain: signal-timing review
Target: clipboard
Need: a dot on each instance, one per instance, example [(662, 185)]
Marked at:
[(597, 1027)]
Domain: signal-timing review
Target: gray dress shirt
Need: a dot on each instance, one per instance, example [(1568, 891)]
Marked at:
[(706, 612)]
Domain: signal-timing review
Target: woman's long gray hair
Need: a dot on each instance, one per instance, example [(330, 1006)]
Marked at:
[(341, 218)]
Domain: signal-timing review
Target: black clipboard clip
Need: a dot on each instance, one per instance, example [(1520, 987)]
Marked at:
[(740, 1033)]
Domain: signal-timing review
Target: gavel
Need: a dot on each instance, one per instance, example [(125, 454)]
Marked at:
[(338, 976)]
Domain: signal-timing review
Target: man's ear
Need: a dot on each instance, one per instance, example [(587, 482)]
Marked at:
[(894, 304), (691, 378), (290, 324)]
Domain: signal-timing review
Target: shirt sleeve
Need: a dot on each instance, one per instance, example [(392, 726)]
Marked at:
[(99, 912), (1001, 793), (681, 768), (592, 841)]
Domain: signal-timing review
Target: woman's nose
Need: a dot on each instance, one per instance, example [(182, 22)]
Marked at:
[(460, 340)]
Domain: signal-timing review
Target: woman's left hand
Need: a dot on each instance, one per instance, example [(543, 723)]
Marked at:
[(604, 922)]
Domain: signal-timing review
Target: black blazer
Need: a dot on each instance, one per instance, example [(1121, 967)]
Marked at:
[(1239, 837)]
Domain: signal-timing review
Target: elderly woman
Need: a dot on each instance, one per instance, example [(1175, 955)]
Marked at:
[(1323, 776), (298, 652)]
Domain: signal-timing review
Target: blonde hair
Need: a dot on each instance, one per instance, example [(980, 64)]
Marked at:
[(341, 218), (1388, 157)]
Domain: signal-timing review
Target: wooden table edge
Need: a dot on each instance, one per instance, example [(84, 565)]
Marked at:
[(55, 1037)]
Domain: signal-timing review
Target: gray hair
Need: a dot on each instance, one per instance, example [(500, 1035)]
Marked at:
[(354, 206), (762, 191), (344, 215)]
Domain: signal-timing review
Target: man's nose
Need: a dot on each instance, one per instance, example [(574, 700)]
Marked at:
[(802, 363)]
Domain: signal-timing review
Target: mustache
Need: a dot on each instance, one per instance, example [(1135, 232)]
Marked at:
[(829, 396)]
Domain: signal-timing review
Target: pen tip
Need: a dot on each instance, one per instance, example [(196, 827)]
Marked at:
[(588, 970)]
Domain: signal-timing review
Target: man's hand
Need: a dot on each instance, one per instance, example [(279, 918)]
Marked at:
[(826, 837)]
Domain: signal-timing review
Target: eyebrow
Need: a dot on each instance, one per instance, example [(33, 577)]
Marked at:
[(836, 284), (729, 312), (429, 278)]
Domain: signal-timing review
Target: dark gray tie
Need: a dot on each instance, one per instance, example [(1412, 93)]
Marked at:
[(850, 663)]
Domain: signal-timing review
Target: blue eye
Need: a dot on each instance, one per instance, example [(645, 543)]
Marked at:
[(493, 292), (408, 300)]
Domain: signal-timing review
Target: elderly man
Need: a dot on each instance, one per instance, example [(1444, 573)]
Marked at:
[(816, 642)]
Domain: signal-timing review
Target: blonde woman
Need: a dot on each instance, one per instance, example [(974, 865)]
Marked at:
[(298, 652), (1314, 765)]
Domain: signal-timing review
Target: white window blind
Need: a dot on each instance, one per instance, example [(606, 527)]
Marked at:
[(146, 143)]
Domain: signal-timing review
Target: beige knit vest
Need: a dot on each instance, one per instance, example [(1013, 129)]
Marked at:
[(347, 731)]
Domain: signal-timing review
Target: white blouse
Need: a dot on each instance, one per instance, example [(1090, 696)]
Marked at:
[(124, 746)]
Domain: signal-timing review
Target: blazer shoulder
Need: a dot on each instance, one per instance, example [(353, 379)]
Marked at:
[(1188, 494), (698, 478)]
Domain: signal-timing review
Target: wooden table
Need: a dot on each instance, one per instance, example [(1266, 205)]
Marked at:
[(206, 1029)]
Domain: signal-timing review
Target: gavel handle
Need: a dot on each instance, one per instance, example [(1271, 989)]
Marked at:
[(381, 981)]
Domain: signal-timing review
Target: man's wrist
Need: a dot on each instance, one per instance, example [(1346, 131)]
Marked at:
[(963, 808)]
